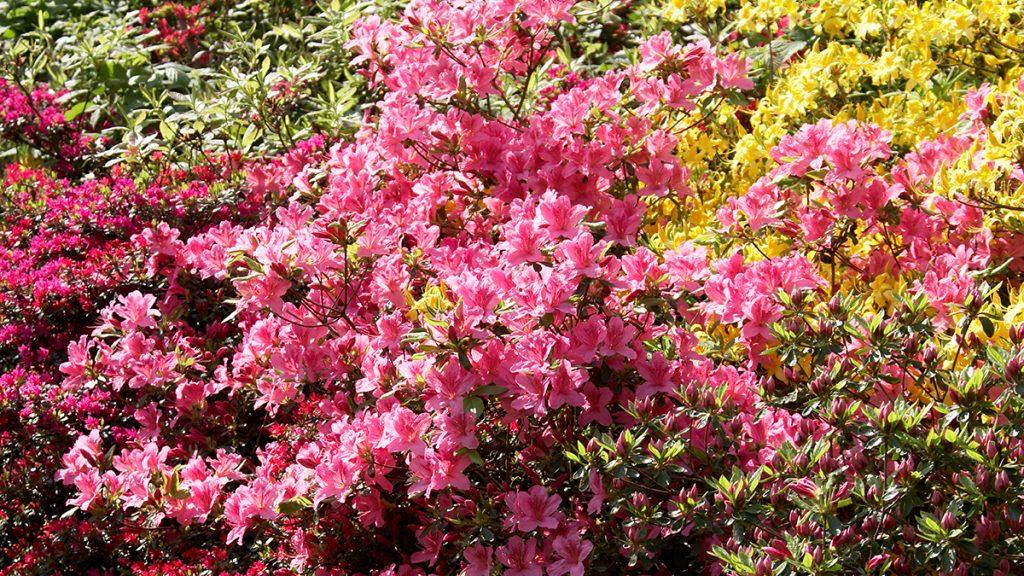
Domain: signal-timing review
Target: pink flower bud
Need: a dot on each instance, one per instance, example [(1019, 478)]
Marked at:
[(805, 487), (1002, 481), (877, 561), (948, 520)]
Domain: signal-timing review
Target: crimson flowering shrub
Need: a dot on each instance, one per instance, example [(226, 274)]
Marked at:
[(88, 167), (176, 28), (69, 247), (34, 118)]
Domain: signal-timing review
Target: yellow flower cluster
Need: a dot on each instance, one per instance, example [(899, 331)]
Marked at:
[(898, 64)]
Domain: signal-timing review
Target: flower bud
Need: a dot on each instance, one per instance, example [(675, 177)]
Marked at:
[(991, 449), (888, 522), (929, 355), (973, 341), (948, 521), (877, 561), (912, 343), (620, 445), (1013, 367), (981, 477), (834, 306), (827, 330), (869, 524), (1002, 482), (873, 493), (883, 414)]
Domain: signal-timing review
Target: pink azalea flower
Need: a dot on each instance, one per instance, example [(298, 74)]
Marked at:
[(520, 557), (438, 470), (572, 553), (136, 310), (558, 216), (533, 509), (479, 560), (564, 387)]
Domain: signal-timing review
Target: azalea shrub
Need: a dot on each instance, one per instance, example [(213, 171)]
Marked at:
[(86, 170), (428, 290), (525, 287), (69, 246)]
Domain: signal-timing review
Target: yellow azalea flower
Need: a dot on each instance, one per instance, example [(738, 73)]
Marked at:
[(434, 300), (775, 246), (885, 290)]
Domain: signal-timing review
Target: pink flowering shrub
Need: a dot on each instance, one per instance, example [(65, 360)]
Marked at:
[(464, 297), (67, 245)]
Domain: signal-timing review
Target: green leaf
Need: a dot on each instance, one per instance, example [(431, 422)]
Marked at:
[(929, 523), (473, 404), (474, 457), (252, 132), (294, 505), (166, 131), (174, 489), (987, 326), (75, 111), (974, 455)]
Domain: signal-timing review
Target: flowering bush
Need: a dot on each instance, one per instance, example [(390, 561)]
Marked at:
[(584, 290), (70, 226), (67, 248), (33, 118), (483, 225), (177, 28)]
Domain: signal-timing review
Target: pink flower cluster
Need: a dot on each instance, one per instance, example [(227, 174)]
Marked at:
[(941, 240), (66, 248)]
